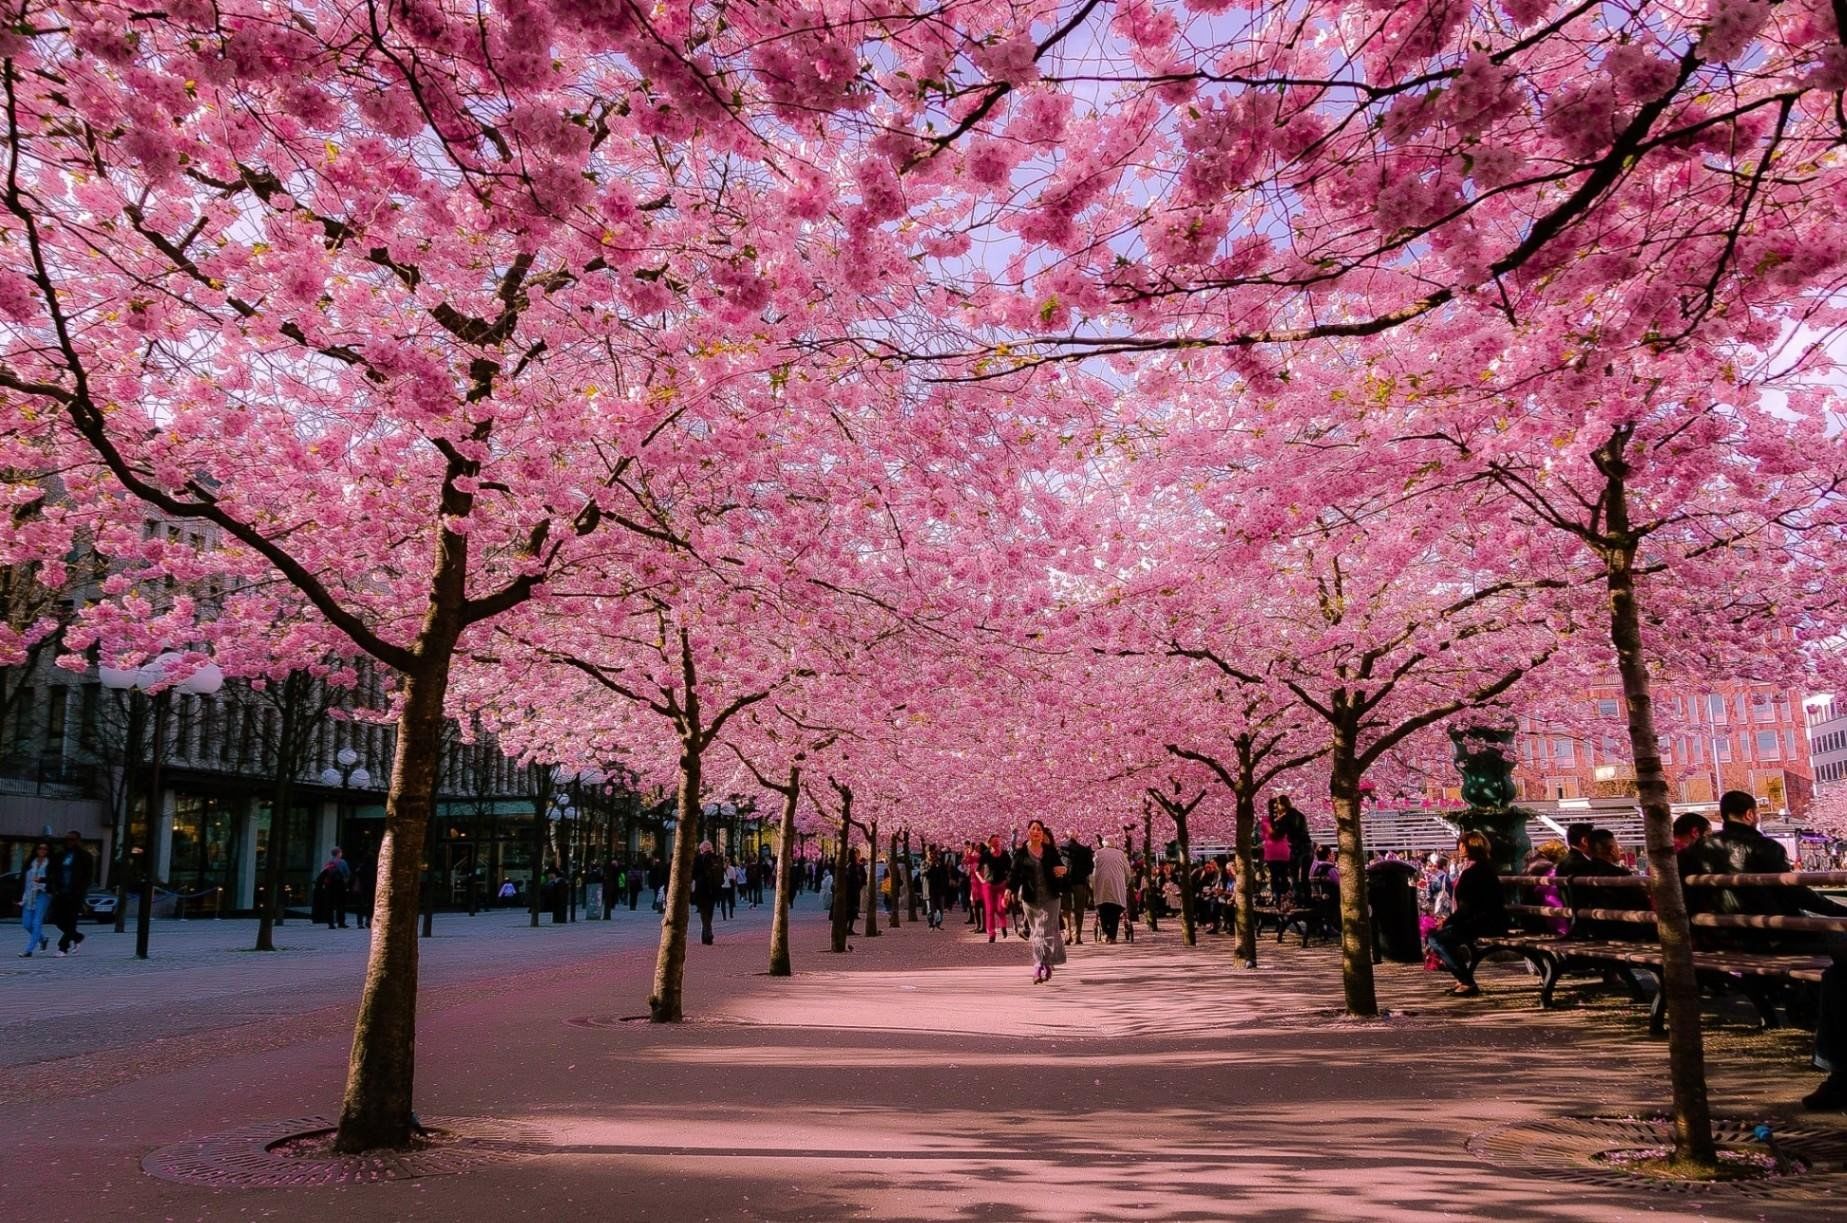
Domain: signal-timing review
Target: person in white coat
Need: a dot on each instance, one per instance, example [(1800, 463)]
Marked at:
[(1109, 886)]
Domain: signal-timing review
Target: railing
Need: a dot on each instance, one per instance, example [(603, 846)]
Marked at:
[(215, 893)]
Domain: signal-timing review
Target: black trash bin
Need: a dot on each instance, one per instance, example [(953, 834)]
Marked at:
[(1392, 887)]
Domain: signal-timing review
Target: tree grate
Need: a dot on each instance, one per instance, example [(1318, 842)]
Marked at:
[(282, 1154), (1575, 1149)]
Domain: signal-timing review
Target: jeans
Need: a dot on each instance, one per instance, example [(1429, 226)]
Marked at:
[(1450, 946), (1831, 1020), (34, 919), (705, 922), (1280, 875), (728, 901), (65, 911)]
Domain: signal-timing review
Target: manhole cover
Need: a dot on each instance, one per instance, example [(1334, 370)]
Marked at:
[(1577, 1149), (282, 1154)]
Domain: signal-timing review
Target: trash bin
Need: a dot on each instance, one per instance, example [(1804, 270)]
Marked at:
[(1391, 886)]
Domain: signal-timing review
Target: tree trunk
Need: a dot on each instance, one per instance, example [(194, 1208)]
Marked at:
[(1246, 884), (376, 1111), (1686, 1055), (785, 875), (271, 914), (910, 885), (896, 878), (665, 1004), (872, 880), (843, 861), (1189, 931), (1355, 910)]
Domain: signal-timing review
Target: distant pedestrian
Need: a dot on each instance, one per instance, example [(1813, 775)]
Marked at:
[(708, 882), (996, 865), (657, 882), (359, 893), (1036, 880), (1079, 862), (1109, 887), (637, 876), (70, 874), (936, 888), (35, 897), (728, 890), (336, 880), (613, 879)]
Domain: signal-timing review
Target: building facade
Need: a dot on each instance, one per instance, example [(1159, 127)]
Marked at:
[(78, 755), (1827, 733), (1714, 737)]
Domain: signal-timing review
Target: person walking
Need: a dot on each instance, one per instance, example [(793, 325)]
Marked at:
[(972, 897), (728, 889), (657, 882), (69, 882), (995, 865), (1037, 879), (1109, 887), (1079, 862), (936, 888), (35, 898), (708, 883), (337, 877)]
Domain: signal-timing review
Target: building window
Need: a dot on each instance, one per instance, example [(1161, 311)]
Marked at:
[(1607, 708), (56, 715), (1769, 745), (1715, 708), (1722, 749)]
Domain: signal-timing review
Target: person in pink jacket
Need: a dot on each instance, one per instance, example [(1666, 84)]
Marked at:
[(1277, 855), (991, 880)]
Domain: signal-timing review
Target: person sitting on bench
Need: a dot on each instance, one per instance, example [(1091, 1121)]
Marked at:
[(1577, 860), (1479, 911), (1738, 848)]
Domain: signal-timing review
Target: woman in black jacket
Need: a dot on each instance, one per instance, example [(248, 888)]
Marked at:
[(1479, 912), (1037, 880)]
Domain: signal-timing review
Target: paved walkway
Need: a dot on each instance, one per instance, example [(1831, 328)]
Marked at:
[(921, 1077)]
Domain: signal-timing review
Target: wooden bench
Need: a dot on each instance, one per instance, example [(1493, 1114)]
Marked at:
[(1756, 974)]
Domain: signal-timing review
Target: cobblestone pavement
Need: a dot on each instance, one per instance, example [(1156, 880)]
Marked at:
[(201, 975), (921, 1077)]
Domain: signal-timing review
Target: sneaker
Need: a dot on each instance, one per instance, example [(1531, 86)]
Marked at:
[(62, 954), (1830, 1097), (25, 955), (44, 943), (76, 946)]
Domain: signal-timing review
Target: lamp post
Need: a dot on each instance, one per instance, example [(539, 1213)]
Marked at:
[(345, 773), (152, 680)]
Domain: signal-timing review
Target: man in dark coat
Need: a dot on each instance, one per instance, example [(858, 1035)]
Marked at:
[(708, 880), (68, 882), (1739, 848)]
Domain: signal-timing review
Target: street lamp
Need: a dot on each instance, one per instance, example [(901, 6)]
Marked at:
[(152, 680), (345, 773)]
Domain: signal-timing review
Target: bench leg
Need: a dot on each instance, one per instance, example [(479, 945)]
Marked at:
[(1627, 975), (1657, 1014)]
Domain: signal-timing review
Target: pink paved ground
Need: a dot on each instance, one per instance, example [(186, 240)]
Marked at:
[(921, 1077)]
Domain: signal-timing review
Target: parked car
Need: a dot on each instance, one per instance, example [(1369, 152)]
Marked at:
[(99, 905)]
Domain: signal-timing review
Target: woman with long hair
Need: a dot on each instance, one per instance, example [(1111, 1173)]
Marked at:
[(35, 897), (1037, 880), (1479, 911)]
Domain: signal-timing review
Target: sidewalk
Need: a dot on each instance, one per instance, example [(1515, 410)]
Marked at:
[(921, 1077)]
